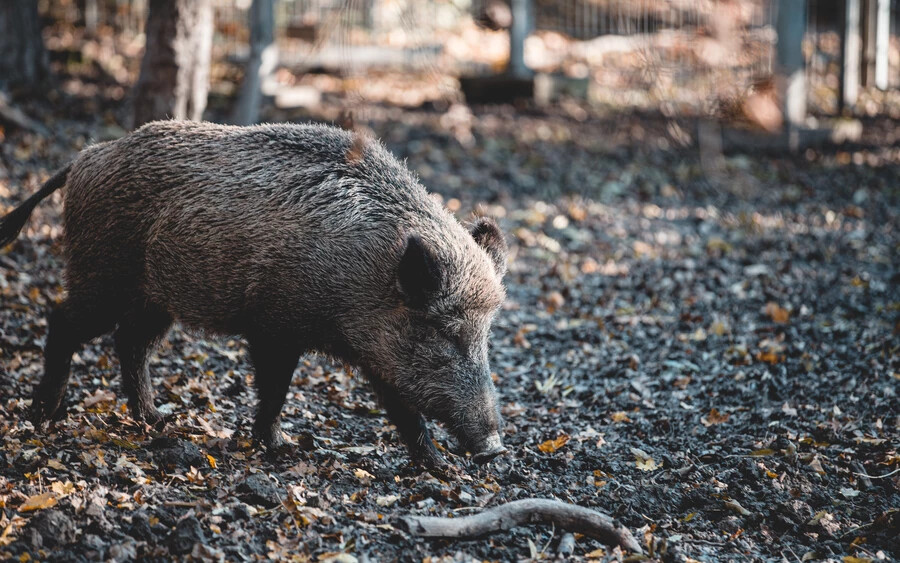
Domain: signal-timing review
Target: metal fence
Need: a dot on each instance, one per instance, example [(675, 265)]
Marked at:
[(667, 47)]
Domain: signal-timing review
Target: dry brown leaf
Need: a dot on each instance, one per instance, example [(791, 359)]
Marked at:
[(619, 416), (99, 396), (777, 313), (714, 417), (551, 446), (38, 502)]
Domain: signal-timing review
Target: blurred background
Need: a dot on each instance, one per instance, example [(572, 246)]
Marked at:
[(701, 197), (708, 76), (686, 57)]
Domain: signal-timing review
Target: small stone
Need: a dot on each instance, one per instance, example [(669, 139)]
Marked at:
[(99, 523), (51, 528), (258, 489), (242, 512), (186, 533), (175, 453), (93, 547), (566, 545), (125, 551), (140, 527)]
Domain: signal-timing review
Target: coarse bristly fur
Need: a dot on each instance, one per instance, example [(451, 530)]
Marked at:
[(297, 237)]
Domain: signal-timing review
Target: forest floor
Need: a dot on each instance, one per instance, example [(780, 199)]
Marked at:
[(702, 346)]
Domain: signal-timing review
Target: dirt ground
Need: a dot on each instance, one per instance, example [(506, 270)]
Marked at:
[(702, 346)]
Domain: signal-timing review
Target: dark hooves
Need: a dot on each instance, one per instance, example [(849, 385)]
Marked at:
[(39, 414), (275, 445), (152, 418), (281, 451)]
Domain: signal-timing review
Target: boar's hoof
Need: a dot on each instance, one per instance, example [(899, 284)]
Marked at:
[(151, 417), (284, 450), (490, 448), (274, 443), (40, 413), (430, 459)]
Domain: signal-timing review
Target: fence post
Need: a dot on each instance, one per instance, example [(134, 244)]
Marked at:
[(850, 55), (522, 21), (882, 39), (263, 60), (791, 79)]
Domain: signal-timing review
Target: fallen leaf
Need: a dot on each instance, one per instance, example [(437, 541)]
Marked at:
[(643, 461), (38, 502), (55, 464), (386, 500), (99, 396), (619, 416), (714, 417), (735, 506), (62, 489), (849, 493), (777, 313), (551, 446)]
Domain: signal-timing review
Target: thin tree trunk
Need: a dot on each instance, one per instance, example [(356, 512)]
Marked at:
[(262, 62), (23, 59), (174, 79), (791, 76), (850, 55)]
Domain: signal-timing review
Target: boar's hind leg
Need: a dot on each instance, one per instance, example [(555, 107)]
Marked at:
[(274, 364), (410, 425), (137, 335), (72, 323)]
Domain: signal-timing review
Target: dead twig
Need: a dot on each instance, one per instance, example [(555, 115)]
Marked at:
[(885, 476), (534, 510)]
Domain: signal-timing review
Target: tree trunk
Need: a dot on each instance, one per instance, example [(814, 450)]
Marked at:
[(791, 76), (23, 59), (850, 55), (262, 62), (174, 79)]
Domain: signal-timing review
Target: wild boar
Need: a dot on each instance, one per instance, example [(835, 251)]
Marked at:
[(298, 238)]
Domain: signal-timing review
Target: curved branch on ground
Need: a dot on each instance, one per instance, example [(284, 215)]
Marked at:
[(527, 511)]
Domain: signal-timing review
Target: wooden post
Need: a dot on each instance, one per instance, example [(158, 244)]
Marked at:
[(521, 27), (882, 40), (867, 69), (23, 58), (174, 78), (262, 62), (791, 76), (91, 16), (850, 54)]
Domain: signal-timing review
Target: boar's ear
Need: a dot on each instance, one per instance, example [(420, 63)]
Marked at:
[(487, 234), (418, 274)]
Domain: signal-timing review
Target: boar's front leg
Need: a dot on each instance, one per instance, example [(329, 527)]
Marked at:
[(137, 335), (274, 363), (410, 425)]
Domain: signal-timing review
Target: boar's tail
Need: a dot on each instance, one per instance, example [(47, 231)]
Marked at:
[(12, 224)]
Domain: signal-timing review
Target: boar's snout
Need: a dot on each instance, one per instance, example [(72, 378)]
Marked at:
[(488, 449), (480, 432)]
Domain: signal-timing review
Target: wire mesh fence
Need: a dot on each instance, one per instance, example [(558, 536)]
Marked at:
[(690, 54)]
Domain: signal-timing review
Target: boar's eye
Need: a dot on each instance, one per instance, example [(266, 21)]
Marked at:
[(418, 274)]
